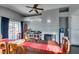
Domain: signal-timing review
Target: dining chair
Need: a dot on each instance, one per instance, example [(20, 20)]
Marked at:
[(12, 48), (3, 47), (15, 46), (20, 50), (66, 45), (54, 47)]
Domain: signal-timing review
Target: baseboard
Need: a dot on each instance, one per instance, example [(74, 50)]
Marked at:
[(75, 45)]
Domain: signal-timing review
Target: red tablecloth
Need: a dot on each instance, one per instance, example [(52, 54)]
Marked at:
[(5, 40), (52, 48)]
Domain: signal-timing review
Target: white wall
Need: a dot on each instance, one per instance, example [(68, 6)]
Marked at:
[(53, 16), (75, 30), (34, 23), (47, 28), (54, 25), (74, 17), (9, 13)]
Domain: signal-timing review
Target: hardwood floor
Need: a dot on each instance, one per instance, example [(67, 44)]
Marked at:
[(74, 50)]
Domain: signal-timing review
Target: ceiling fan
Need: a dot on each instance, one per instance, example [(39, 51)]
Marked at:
[(35, 8)]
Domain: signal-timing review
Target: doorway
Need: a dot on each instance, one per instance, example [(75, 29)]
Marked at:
[(64, 23)]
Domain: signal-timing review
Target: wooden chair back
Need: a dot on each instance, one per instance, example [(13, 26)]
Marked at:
[(3, 47), (20, 50), (66, 45), (12, 48)]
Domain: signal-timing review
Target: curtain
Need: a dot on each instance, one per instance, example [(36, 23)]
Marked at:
[(21, 29), (0, 25), (4, 27)]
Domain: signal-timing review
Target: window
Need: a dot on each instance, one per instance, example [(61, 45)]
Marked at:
[(14, 30)]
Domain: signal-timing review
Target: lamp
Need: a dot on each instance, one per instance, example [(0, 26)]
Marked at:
[(49, 20)]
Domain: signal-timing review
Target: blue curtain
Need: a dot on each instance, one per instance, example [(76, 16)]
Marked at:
[(4, 27), (21, 29)]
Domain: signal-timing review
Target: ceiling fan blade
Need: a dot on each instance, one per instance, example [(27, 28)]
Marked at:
[(30, 10), (36, 11), (40, 8), (29, 7), (35, 5)]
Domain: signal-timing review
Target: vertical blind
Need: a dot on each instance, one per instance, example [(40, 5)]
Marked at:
[(14, 30)]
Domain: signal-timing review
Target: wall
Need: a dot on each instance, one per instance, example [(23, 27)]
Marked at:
[(54, 25), (47, 28), (9, 13), (74, 17), (34, 23)]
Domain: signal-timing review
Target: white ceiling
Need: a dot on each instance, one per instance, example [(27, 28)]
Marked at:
[(22, 9)]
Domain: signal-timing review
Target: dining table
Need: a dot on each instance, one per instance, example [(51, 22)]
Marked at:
[(50, 47), (44, 48)]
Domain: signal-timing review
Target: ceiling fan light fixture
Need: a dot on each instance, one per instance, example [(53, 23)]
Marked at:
[(48, 21), (35, 8)]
